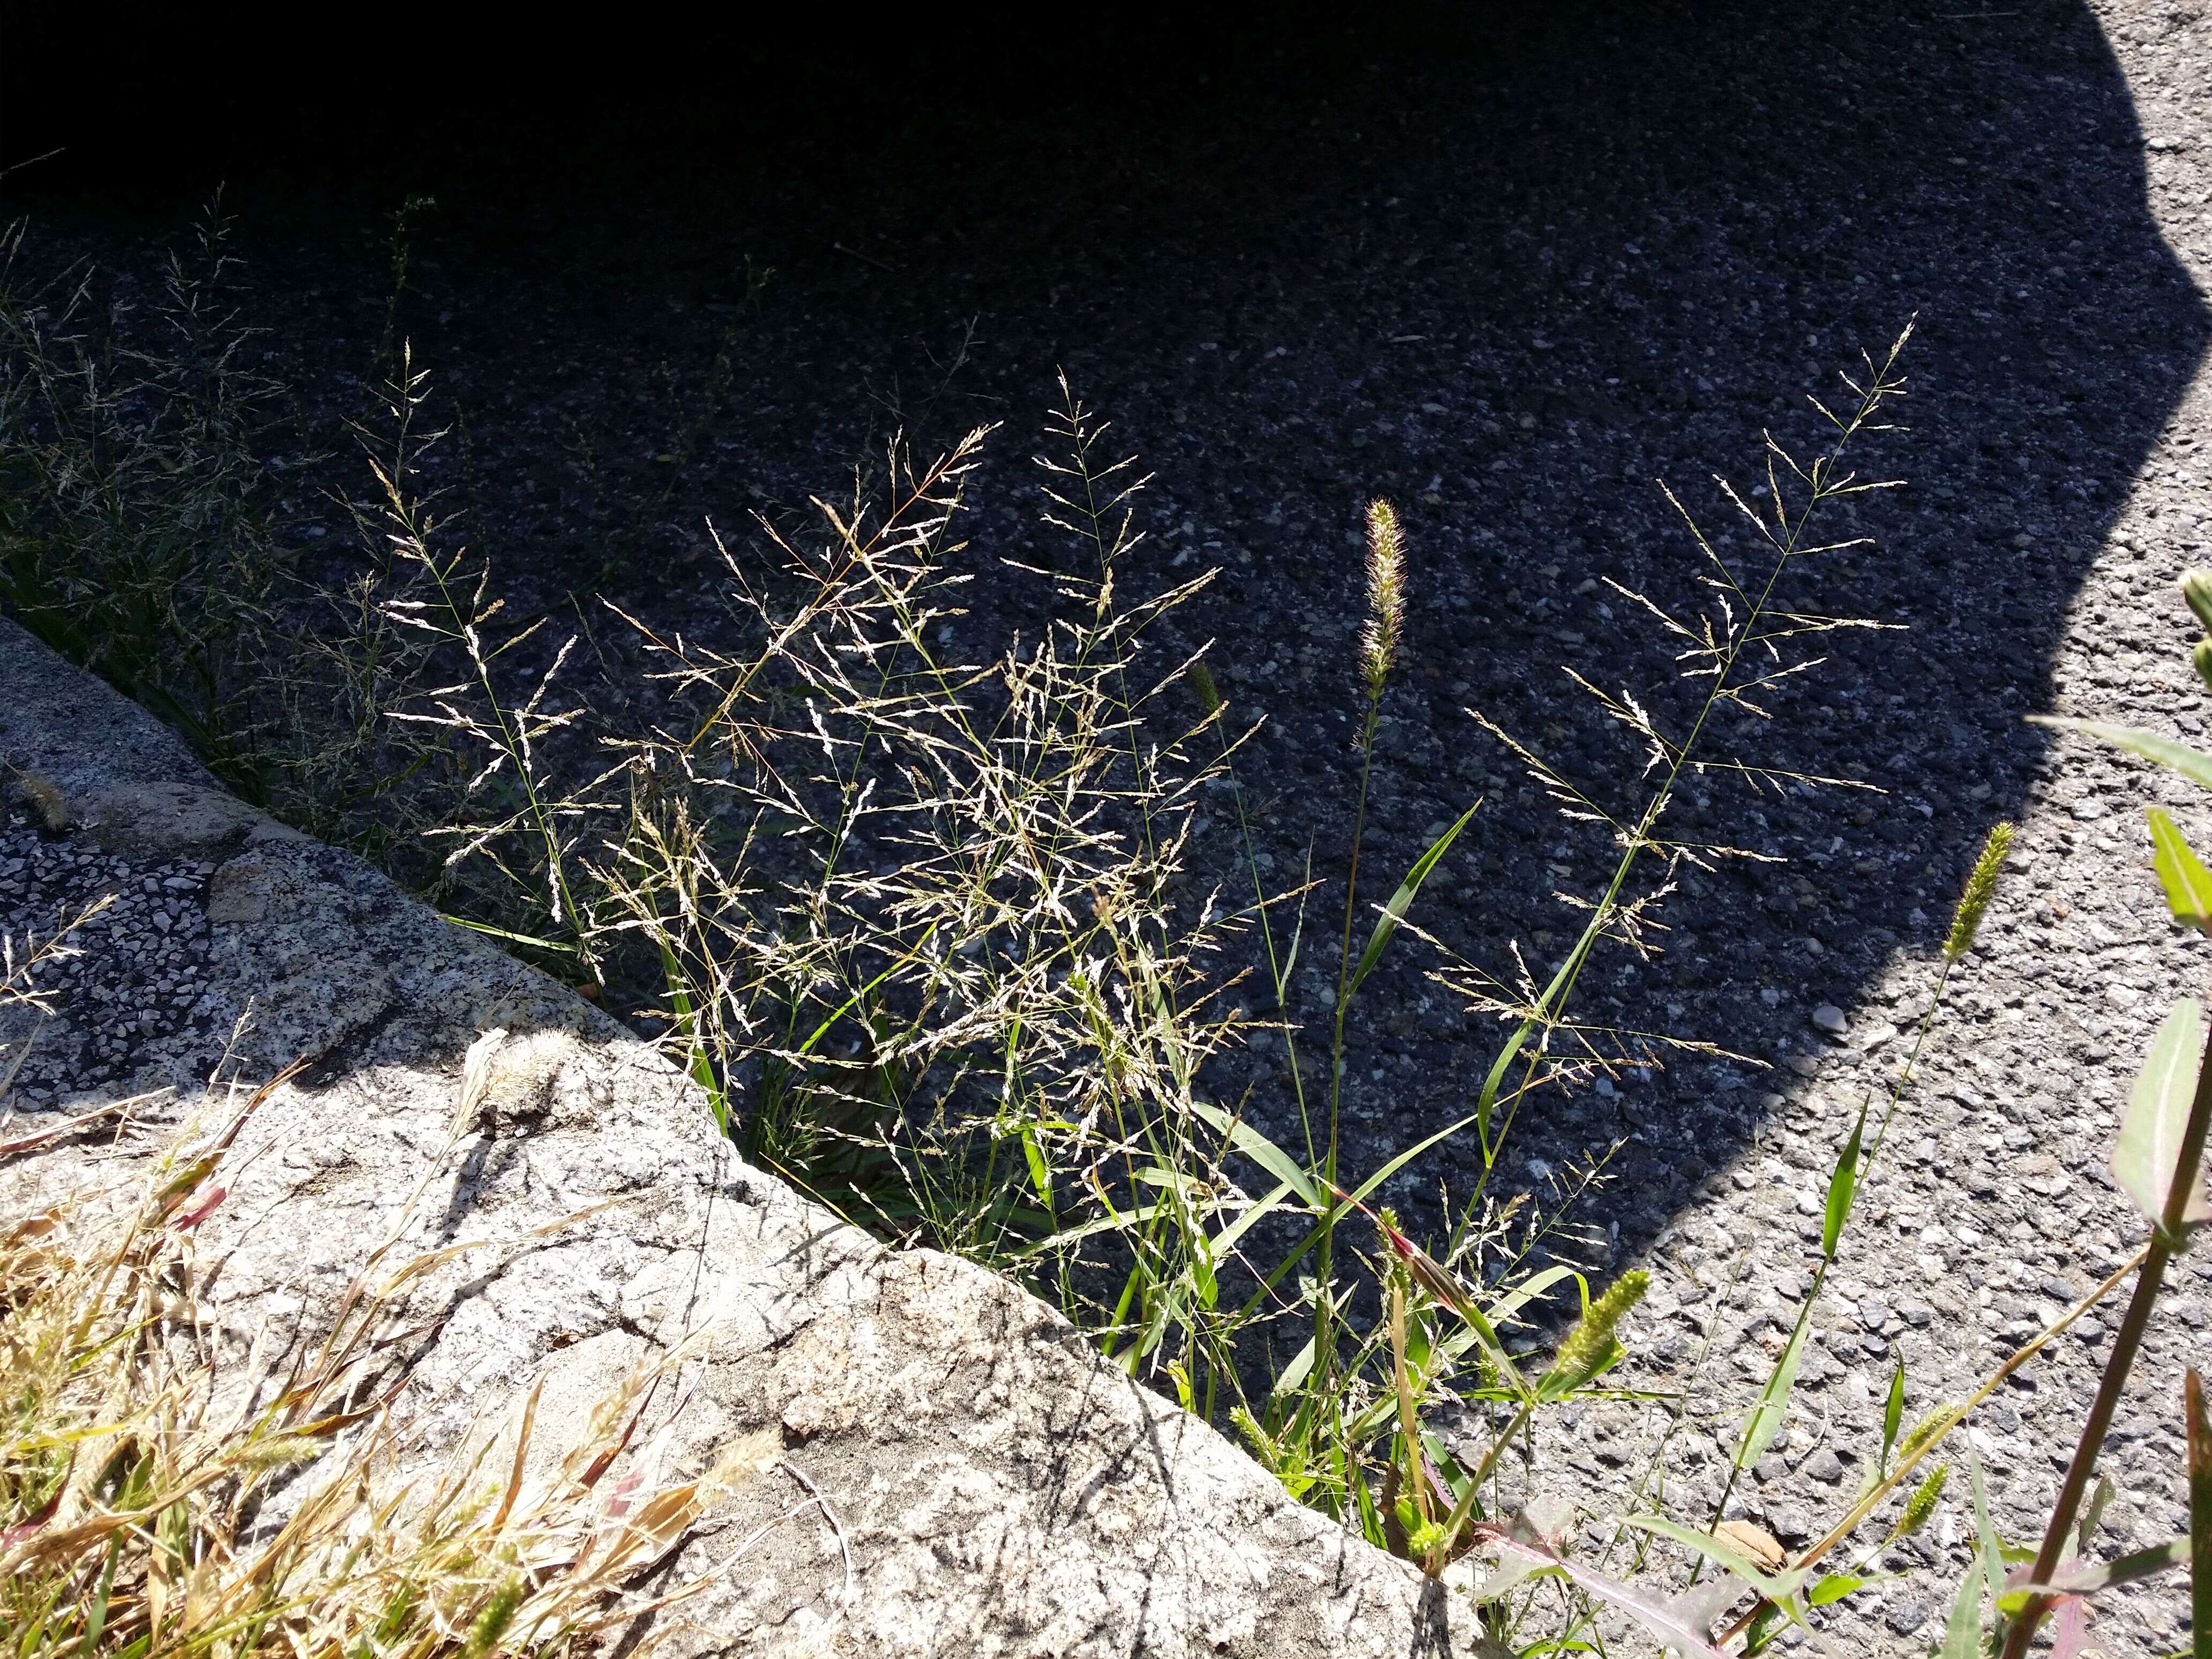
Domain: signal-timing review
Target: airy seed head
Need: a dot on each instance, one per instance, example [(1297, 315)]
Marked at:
[(1586, 1345), (1386, 595), (1921, 1505), (1981, 887), (2197, 588)]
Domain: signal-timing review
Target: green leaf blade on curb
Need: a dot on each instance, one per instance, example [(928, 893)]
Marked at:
[(1843, 1187), (1763, 1421), (1402, 900), (2087, 1579), (1892, 1411), (1962, 1632), (2149, 1143), (2193, 763), (2188, 883)]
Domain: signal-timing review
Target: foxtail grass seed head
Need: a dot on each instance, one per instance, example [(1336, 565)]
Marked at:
[(1385, 596), (1586, 1344), (1926, 1430), (1209, 694), (742, 1459), (1981, 887), (1921, 1505), (46, 800), (282, 1451), (2197, 588), (499, 1612), (2203, 657)]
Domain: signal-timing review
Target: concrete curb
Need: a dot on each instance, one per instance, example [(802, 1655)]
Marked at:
[(1001, 1489)]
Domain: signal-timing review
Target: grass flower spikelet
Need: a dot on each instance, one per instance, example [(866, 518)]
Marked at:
[(499, 1612), (1937, 1421), (1981, 887), (1385, 596), (1921, 1506), (1587, 1346)]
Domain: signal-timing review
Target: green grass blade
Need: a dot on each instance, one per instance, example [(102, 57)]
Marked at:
[(1366, 1188), (2193, 764), (1287, 1381), (687, 1024), (1763, 1421), (1962, 1631), (1992, 1550), (1262, 1150), (1781, 1588), (1040, 1171), (1835, 1587), (2087, 1579), (1843, 1188), (1892, 1413), (2188, 883), (95, 1618), (559, 947), (1401, 901)]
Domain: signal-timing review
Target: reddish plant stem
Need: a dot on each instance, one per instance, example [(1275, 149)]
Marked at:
[(2126, 1346)]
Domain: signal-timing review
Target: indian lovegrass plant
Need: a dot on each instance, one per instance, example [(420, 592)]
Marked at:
[(134, 532), (923, 921)]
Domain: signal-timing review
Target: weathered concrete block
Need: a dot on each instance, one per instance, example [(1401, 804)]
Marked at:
[(996, 1488)]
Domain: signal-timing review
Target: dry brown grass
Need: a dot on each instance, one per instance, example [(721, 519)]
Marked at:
[(164, 1493)]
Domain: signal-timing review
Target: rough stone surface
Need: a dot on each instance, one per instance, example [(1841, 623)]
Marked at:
[(1000, 1489)]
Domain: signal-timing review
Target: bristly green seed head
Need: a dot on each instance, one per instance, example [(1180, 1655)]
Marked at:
[(1385, 596), (2203, 657), (1981, 887), (1209, 694), (1926, 1430), (1921, 1505), (499, 1612), (1586, 1345), (2197, 588)]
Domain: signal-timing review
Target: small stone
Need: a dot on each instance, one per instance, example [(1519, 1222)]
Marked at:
[(2089, 1331), (1830, 1018), (2088, 809), (1824, 1467), (1907, 1617), (1789, 1522)]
